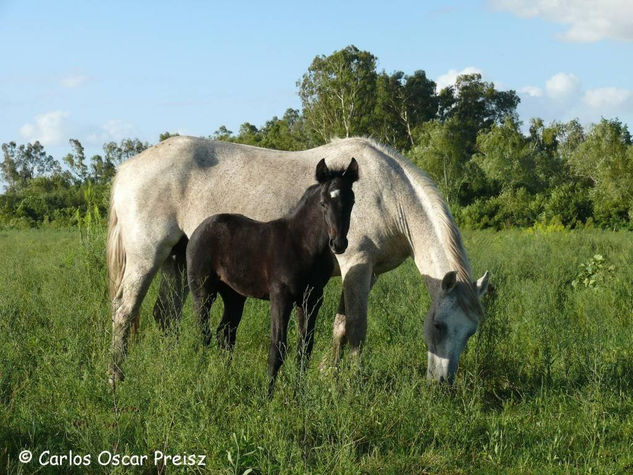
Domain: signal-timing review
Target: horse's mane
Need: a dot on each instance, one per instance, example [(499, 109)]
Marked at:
[(442, 222)]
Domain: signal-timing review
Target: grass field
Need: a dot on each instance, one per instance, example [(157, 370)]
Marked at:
[(545, 386)]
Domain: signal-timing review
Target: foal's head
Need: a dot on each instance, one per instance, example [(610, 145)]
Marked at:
[(337, 200)]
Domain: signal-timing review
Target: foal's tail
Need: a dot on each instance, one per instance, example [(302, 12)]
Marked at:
[(115, 252)]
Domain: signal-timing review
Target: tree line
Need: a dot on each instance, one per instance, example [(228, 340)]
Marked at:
[(467, 137)]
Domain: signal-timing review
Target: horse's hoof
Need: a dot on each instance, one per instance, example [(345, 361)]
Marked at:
[(326, 367)]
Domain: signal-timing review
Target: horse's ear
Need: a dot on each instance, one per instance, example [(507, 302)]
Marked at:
[(449, 281), (482, 284), (352, 171), (322, 172)]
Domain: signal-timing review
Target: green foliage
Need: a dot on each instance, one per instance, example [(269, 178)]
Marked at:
[(467, 137), (402, 103), (476, 105), (42, 194), (605, 159), (165, 135), (23, 163), (442, 153), (594, 273), (544, 386), (338, 94)]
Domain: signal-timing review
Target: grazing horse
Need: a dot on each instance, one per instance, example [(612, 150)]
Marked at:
[(160, 196), (287, 261)]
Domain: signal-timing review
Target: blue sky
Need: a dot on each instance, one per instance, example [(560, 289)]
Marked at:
[(100, 71)]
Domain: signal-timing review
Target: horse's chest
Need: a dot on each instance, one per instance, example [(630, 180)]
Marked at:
[(299, 273)]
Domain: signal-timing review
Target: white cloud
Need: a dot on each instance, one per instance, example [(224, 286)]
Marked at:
[(587, 20), (562, 86), (607, 98), (532, 91), (111, 130), (449, 78), (49, 128), (56, 127), (73, 81)]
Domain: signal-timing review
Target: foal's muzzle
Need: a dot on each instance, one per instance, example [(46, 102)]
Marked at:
[(338, 246)]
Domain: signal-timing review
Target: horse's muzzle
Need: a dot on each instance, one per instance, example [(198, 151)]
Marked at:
[(338, 246)]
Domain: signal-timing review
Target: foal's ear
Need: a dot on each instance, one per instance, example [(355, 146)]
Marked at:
[(352, 171), (322, 172), (449, 281)]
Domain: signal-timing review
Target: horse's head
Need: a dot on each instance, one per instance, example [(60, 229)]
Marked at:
[(337, 200), (452, 319)]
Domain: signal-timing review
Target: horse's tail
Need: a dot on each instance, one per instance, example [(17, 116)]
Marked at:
[(115, 252)]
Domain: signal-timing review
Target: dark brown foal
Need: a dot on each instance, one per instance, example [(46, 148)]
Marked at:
[(287, 261)]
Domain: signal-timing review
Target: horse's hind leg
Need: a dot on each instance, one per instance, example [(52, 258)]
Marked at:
[(173, 287), (233, 309), (204, 290)]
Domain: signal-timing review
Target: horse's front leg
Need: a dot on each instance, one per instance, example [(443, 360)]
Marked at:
[(307, 311), (280, 308), (350, 323)]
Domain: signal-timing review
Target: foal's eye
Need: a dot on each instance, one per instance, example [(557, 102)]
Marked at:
[(323, 205)]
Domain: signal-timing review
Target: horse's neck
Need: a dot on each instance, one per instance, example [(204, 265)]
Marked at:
[(307, 223), (435, 245)]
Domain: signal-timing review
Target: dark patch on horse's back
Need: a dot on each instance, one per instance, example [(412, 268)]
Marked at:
[(205, 156)]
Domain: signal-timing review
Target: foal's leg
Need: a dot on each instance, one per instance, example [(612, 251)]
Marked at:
[(173, 287), (306, 314), (204, 292), (280, 308), (233, 309)]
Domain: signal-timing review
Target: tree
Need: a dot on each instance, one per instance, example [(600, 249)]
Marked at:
[(248, 134), (222, 134), (550, 169), (402, 103), (165, 135), (116, 154), (442, 153), (338, 93), (77, 161), (506, 157), (23, 163), (476, 105), (605, 159), (287, 133)]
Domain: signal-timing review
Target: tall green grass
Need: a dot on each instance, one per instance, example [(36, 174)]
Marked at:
[(546, 385)]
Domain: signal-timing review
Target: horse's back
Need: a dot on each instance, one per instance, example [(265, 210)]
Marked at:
[(167, 190)]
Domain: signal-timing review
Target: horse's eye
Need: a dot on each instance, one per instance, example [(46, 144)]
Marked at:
[(323, 204), (439, 326)]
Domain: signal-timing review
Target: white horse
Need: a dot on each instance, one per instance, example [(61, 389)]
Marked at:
[(160, 196)]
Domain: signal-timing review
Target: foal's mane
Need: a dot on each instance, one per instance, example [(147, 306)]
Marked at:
[(311, 190)]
